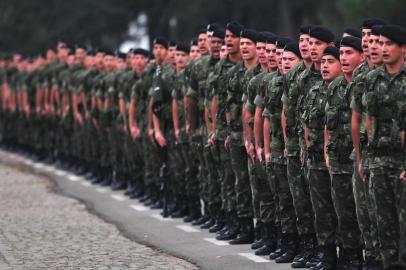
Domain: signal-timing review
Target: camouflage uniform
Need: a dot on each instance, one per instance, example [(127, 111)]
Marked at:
[(319, 178), (339, 148), (384, 100), (298, 183)]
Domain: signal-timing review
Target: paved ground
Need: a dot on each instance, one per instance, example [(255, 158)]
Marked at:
[(43, 230), (102, 244)]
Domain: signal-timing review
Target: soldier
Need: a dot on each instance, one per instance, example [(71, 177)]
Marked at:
[(338, 147), (194, 49), (267, 243), (364, 208), (297, 179), (384, 101), (226, 225)]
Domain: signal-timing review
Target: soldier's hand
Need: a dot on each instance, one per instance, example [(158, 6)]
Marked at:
[(135, 132), (251, 152), (177, 134), (260, 153), (211, 139), (403, 176), (160, 139), (360, 171), (268, 158), (285, 153), (151, 134)]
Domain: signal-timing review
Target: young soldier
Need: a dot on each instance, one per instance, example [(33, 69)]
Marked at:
[(338, 148)]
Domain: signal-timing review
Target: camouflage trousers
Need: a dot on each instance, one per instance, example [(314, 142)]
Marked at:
[(284, 202), (152, 163), (225, 175), (242, 186), (324, 213), (365, 214), (257, 175), (299, 188), (344, 205), (388, 196)]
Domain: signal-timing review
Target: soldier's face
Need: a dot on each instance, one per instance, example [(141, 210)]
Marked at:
[(109, 62), (289, 61), (182, 59), (223, 51), (316, 49), (194, 52), (366, 32), (261, 52), (248, 49), (349, 59), (51, 55), (392, 53), (374, 48), (70, 60), (232, 43), (330, 68), (215, 47), (160, 53), (63, 53), (304, 46), (80, 55), (139, 62), (271, 55), (278, 56), (171, 54), (202, 43), (99, 60)]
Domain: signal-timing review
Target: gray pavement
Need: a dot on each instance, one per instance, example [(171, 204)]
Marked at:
[(137, 223)]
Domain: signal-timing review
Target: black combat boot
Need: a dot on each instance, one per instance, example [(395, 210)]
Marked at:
[(119, 182), (350, 259), (208, 224), (269, 236), (259, 242), (182, 208), (307, 251), (246, 235), (202, 220), (371, 263), (290, 247), (107, 178), (327, 257), (194, 209), (231, 230)]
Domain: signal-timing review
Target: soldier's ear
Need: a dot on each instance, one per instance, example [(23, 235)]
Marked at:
[(403, 47)]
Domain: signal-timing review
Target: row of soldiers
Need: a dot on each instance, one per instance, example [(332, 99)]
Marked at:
[(295, 146)]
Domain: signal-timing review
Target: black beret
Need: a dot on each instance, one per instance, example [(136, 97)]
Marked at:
[(172, 43), (293, 47), (80, 46), (250, 34), (202, 31), (266, 36), (337, 42), (121, 55), (193, 42), (271, 38), (219, 33), (183, 47), (353, 32), (369, 23), (261, 37), (108, 52), (213, 26), (352, 42), (91, 52), (161, 41), (140, 51), (305, 29), (331, 50), (281, 42), (396, 33), (322, 33), (376, 30), (235, 28)]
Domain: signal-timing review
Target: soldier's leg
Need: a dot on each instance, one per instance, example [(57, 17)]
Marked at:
[(243, 193), (348, 229), (267, 206), (254, 184), (287, 216), (386, 191), (325, 216)]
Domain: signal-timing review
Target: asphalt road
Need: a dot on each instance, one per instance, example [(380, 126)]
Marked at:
[(146, 226)]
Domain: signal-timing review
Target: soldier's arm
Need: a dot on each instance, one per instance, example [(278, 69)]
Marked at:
[(267, 139), (283, 121), (175, 117)]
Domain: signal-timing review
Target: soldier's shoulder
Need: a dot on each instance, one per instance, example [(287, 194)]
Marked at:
[(292, 74), (374, 74), (336, 82)]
